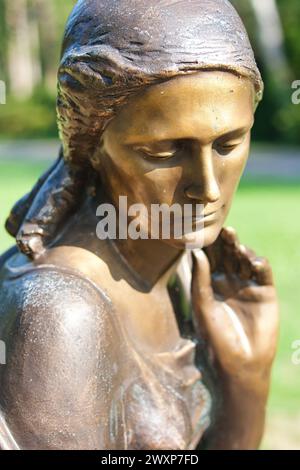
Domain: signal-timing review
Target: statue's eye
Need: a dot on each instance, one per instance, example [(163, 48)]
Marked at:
[(162, 150), (225, 148)]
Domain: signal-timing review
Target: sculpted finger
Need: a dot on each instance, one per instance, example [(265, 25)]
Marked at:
[(245, 267), (202, 293), (201, 279), (230, 251), (214, 253), (230, 236), (262, 272)]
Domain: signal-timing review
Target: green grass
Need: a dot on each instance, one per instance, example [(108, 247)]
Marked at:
[(16, 179), (266, 216)]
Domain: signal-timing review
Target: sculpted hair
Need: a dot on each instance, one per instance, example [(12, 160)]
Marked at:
[(111, 50), (114, 48)]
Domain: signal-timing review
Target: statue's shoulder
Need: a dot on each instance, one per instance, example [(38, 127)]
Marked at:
[(55, 287)]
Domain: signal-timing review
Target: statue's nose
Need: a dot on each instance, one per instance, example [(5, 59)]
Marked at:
[(204, 188)]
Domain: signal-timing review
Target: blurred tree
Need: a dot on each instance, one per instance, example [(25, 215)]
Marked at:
[(30, 32), (3, 43), (271, 37), (290, 16), (22, 64), (273, 26), (30, 39), (44, 11)]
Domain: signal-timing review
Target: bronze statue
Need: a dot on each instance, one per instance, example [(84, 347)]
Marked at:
[(129, 344)]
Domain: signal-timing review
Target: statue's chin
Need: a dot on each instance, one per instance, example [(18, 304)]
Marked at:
[(200, 239)]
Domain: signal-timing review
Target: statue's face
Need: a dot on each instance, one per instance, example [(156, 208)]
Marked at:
[(184, 141)]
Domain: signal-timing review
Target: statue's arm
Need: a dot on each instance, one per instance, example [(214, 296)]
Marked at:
[(58, 381), (241, 419)]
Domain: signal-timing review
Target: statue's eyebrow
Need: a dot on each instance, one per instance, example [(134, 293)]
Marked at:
[(148, 140), (239, 132)]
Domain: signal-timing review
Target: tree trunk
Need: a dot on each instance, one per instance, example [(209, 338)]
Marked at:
[(48, 35), (21, 75), (271, 37)]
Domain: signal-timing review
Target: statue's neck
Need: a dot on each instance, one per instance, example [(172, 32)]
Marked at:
[(145, 260), (148, 261), (143, 263)]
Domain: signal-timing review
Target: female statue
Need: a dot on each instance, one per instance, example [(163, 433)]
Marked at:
[(121, 343)]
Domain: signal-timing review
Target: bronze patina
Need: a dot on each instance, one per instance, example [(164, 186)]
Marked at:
[(140, 344)]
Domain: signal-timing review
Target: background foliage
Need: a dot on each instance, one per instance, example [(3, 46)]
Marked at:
[(31, 32)]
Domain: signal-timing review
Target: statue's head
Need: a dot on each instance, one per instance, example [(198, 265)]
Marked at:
[(158, 96)]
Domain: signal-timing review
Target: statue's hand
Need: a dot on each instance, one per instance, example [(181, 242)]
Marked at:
[(236, 309)]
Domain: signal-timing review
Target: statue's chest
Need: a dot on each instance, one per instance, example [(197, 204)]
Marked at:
[(149, 320), (162, 402)]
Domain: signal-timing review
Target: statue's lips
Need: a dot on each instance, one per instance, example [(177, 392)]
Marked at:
[(204, 216), (205, 219), (198, 221)]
